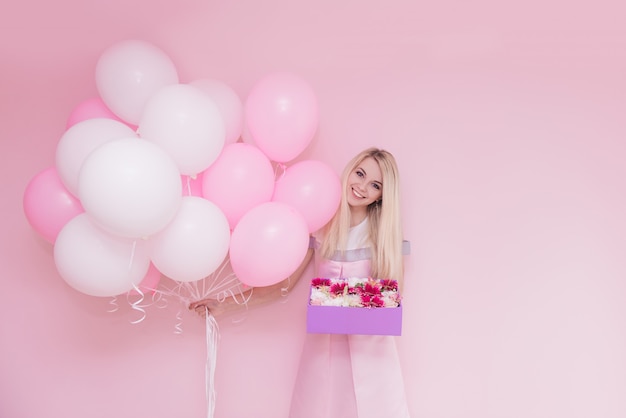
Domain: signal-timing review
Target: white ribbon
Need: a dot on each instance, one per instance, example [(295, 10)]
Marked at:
[(212, 337)]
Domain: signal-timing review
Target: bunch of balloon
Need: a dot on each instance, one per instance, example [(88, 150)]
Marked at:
[(115, 191), (151, 180)]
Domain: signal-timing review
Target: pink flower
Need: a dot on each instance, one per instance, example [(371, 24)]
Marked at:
[(320, 282), (371, 288), (369, 301), (388, 284), (338, 288), (377, 302)]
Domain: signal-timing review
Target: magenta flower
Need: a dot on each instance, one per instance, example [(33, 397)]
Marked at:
[(388, 284), (371, 288), (317, 282), (369, 301), (377, 302), (338, 288)]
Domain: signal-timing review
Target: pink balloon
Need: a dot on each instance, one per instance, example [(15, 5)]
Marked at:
[(268, 244), (241, 178), (281, 113), (228, 103), (48, 205), (90, 109), (313, 189), (128, 73)]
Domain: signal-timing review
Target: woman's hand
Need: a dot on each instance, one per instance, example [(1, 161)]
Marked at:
[(202, 306)]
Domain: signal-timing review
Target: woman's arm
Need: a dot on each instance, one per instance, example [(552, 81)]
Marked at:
[(255, 296)]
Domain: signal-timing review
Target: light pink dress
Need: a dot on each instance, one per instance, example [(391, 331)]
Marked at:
[(349, 376)]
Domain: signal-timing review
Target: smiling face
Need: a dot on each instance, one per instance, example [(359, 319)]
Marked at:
[(365, 185)]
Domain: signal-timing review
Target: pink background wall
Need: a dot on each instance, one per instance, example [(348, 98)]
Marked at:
[(508, 124)]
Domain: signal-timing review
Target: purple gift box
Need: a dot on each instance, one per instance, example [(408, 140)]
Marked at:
[(354, 320)]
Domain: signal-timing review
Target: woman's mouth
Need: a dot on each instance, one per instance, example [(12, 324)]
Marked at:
[(357, 194)]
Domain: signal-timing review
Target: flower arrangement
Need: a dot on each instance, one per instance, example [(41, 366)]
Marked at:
[(355, 292)]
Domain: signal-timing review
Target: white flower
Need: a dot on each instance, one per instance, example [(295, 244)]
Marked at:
[(318, 296), (353, 281), (333, 302), (353, 301)]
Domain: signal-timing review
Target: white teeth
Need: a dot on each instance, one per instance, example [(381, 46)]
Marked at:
[(357, 194)]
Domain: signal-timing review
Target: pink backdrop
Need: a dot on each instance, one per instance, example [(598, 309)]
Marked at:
[(508, 124)]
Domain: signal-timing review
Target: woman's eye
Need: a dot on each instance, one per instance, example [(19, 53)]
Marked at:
[(376, 186), (359, 173)]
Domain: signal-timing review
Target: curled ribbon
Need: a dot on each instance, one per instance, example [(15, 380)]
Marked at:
[(113, 303), (284, 291), (178, 328), (137, 306), (159, 300)]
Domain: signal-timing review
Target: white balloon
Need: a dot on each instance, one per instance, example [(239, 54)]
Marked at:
[(228, 102), (96, 263), (194, 244), (79, 141), (187, 124), (128, 73), (130, 187)]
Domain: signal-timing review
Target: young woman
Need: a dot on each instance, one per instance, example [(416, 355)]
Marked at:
[(351, 375), (357, 375)]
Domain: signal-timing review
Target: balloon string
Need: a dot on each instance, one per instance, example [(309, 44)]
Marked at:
[(215, 284), (178, 328), (283, 169), (229, 278), (188, 186), (132, 255), (113, 303), (136, 305), (284, 290), (212, 337), (222, 296), (159, 300)]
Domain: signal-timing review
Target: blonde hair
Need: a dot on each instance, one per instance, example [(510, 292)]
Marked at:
[(385, 227)]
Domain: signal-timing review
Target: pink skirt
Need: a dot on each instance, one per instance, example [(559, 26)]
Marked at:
[(349, 376)]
